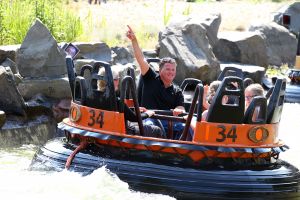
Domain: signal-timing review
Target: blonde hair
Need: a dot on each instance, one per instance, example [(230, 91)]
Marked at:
[(256, 89), (214, 85), (101, 84)]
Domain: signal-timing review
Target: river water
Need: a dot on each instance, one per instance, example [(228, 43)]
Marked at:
[(19, 183)]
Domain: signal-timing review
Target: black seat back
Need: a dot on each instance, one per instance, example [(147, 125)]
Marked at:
[(269, 92), (85, 68), (86, 92), (129, 72), (256, 113), (104, 100), (196, 102), (188, 87), (71, 73), (86, 72), (189, 81), (230, 71), (276, 100), (228, 113), (80, 91)]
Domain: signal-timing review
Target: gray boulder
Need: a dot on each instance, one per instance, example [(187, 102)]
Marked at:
[(51, 87), (17, 132), (8, 51), (13, 67), (293, 11), (280, 43), (11, 102), (212, 24), (9, 63), (121, 55), (99, 51), (39, 55), (188, 43), (41, 63), (241, 47)]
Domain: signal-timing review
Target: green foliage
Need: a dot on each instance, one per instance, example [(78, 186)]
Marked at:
[(167, 14), (13, 24), (277, 71), (146, 34), (2, 28), (187, 11), (16, 16)]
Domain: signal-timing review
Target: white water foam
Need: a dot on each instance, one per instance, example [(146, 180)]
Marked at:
[(68, 185)]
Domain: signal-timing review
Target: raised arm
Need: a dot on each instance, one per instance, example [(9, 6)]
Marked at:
[(205, 93), (144, 66)]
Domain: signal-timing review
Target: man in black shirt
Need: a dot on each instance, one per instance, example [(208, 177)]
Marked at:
[(159, 91), (157, 96)]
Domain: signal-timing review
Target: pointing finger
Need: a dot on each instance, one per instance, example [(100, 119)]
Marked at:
[(129, 28)]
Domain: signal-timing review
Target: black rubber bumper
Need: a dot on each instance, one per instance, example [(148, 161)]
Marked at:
[(278, 181)]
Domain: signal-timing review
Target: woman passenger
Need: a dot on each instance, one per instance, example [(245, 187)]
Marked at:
[(252, 91)]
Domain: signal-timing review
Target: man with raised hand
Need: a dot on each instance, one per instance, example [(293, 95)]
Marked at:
[(159, 91)]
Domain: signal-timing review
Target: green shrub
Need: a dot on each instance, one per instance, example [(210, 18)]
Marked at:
[(16, 16), (167, 14), (277, 71)]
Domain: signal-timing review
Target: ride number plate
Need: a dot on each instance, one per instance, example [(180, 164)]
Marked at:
[(96, 118), (226, 133)]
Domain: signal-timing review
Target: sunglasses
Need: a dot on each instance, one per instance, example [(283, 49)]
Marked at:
[(167, 60)]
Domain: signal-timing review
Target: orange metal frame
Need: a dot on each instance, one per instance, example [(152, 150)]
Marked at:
[(237, 135), (96, 119)]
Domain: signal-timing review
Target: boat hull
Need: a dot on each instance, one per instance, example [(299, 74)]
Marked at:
[(277, 181)]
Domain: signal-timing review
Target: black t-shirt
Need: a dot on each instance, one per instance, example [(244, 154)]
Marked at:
[(156, 96)]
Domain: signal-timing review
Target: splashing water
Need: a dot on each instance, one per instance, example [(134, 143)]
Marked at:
[(19, 183)]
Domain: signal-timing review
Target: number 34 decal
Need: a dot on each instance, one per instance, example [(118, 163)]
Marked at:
[(224, 134), (96, 118)]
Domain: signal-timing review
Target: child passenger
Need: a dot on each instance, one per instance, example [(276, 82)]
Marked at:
[(208, 95)]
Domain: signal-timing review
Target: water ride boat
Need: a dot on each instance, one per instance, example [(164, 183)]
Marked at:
[(230, 156)]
